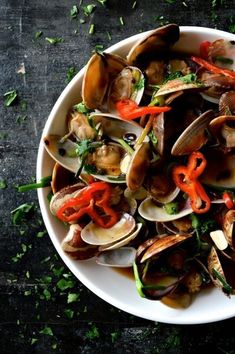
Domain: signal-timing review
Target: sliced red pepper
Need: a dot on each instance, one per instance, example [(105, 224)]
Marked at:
[(128, 109), (228, 200), (213, 68), (186, 178), (96, 195), (204, 49)]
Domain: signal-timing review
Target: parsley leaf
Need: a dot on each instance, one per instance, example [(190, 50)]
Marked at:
[(93, 332), (139, 84), (3, 184), (54, 40), (188, 79), (10, 97), (69, 313), (20, 214), (38, 34), (71, 72), (47, 330), (88, 9), (80, 107), (74, 11), (72, 297)]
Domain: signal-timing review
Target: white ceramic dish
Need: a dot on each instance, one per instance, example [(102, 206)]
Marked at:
[(116, 289)]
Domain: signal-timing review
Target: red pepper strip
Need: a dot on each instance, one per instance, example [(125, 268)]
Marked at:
[(95, 195), (204, 49), (196, 164), (215, 69), (185, 177), (228, 200), (128, 109)]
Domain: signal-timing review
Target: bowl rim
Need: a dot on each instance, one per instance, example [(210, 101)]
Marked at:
[(42, 200)]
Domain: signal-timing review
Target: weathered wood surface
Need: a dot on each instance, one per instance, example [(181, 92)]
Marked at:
[(29, 300)]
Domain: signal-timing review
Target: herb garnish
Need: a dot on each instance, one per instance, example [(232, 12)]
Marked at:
[(88, 9), (93, 332), (121, 20), (171, 208), (3, 184), (44, 182), (74, 11), (92, 28), (81, 108), (10, 97), (54, 40), (38, 34), (84, 147), (139, 84), (71, 72), (227, 288), (47, 330), (102, 2), (21, 213)]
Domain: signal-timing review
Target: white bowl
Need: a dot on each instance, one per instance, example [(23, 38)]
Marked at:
[(117, 289)]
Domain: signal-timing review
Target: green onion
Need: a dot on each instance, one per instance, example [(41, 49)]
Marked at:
[(10, 97), (126, 146), (44, 182), (92, 29), (224, 60), (222, 280), (121, 20), (138, 282), (54, 40)]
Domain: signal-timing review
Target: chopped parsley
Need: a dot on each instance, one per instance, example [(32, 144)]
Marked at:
[(21, 119), (64, 284), (54, 40), (98, 49), (121, 21), (69, 313), (10, 97), (84, 147), (74, 11), (152, 137), (47, 330), (87, 10), (102, 2), (81, 108), (38, 34), (188, 79), (21, 213), (3, 184), (139, 84), (71, 72), (93, 332), (92, 28), (171, 208), (72, 297)]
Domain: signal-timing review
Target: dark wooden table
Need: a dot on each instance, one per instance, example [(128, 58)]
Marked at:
[(38, 314)]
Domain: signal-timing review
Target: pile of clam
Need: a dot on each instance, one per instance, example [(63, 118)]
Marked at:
[(174, 253)]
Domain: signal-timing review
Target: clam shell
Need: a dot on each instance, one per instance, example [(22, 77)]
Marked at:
[(175, 86), (124, 241), (116, 128), (121, 257), (223, 129), (138, 167), (125, 86), (163, 244), (157, 43), (194, 136), (228, 228), (150, 211), (96, 235)]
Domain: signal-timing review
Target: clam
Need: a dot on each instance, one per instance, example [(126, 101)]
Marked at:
[(121, 257), (125, 241), (61, 177), (163, 244), (79, 127), (221, 270), (138, 167), (115, 128), (223, 128), (194, 136), (155, 44), (220, 169), (75, 246), (222, 52), (228, 228), (227, 103), (152, 212), (215, 84), (100, 69), (177, 85), (96, 235), (129, 84), (106, 158), (63, 195)]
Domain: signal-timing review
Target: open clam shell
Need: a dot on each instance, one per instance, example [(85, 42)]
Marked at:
[(155, 44), (138, 167), (229, 229), (223, 129), (152, 212), (194, 136), (123, 241), (227, 103), (99, 70), (129, 84), (116, 128), (122, 257), (96, 235)]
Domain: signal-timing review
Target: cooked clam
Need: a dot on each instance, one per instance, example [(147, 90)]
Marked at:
[(155, 44), (152, 212), (223, 128), (129, 84), (194, 136), (121, 257), (96, 235), (228, 228)]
